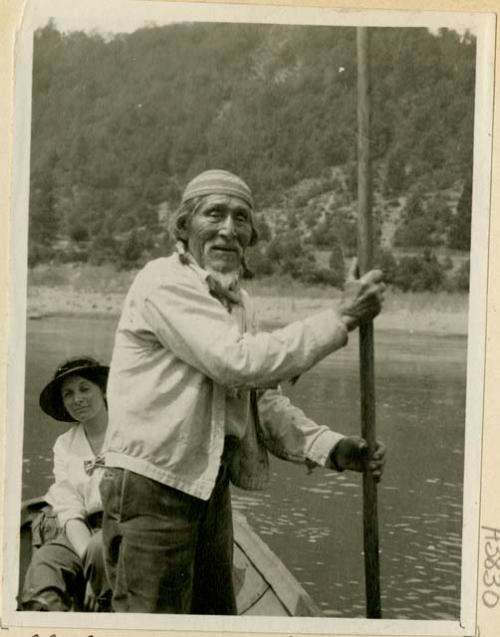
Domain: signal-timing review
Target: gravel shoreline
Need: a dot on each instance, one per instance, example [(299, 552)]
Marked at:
[(66, 301)]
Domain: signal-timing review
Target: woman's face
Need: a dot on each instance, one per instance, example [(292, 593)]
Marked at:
[(82, 398)]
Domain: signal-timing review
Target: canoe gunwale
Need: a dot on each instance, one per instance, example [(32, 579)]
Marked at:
[(287, 589)]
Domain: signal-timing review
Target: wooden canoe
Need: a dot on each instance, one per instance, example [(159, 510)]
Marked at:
[(264, 586)]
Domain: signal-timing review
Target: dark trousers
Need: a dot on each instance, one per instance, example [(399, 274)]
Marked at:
[(57, 578), (166, 551)]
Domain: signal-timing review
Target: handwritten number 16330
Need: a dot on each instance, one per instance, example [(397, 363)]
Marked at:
[(491, 565)]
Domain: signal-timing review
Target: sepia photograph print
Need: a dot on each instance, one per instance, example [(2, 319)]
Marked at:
[(247, 319)]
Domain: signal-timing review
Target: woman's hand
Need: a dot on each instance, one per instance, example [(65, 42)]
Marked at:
[(351, 453), (362, 298)]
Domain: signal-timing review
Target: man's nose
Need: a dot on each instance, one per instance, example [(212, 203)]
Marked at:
[(227, 227)]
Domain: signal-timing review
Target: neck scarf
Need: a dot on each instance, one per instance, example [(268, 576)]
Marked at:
[(228, 296)]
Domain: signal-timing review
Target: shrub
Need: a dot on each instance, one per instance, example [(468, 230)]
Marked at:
[(263, 228), (337, 267), (299, 266), (323, 234), (38, 253), (386, 261), (72, 254), (447, 263), (288, 255), (259, 262), (131, 251), (461, 278), (347, 232), (78, 232), (395, 180), (324, 276), (419, 273), (459, 231), (284, 247), (103, 248), (421, 225)]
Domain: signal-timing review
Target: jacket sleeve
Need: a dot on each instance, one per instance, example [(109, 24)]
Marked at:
[(197, 329), (63, 495), (290, 435)]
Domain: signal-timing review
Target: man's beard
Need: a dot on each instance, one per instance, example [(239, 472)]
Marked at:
[(229, 281)]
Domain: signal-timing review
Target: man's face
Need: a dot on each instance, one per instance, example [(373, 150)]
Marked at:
[(219, 231)]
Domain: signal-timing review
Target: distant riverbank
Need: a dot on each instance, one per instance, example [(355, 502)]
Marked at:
[(83, 290)]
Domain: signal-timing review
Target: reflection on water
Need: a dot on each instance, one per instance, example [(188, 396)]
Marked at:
[(314, 522), (420, 554)]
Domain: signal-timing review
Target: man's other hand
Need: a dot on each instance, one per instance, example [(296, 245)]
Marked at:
[(351, 453)]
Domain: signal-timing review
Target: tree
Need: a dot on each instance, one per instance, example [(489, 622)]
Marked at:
[(131, 250), (78, 231), (395, 179), (131, 118), (460, 225), (258, 261), (337, 266), (461, 278), (417, 227), (292, 257), (44, 219), (263, 229), (324, 234), (103, 248)]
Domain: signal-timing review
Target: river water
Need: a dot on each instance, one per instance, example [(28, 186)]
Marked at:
[(313, 522)]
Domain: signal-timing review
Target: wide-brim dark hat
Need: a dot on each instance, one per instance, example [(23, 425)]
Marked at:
[(51, 401)]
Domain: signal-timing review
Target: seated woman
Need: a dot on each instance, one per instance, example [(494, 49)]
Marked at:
[(67, 571)]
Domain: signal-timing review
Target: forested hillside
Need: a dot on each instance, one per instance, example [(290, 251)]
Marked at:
[(119, 124)]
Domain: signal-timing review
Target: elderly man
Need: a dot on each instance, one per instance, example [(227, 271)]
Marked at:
[(195, 403)]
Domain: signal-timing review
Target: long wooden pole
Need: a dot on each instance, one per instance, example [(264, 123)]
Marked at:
[(366, 346)]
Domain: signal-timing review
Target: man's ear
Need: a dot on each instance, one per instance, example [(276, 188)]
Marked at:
[(182, 229)]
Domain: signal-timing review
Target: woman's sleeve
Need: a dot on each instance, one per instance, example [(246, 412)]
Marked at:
[(63, 495)]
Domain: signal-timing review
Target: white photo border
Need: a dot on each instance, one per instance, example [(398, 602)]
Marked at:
[(36, 14)]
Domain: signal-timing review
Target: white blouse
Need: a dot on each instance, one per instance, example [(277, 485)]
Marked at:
[(75, 493)]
